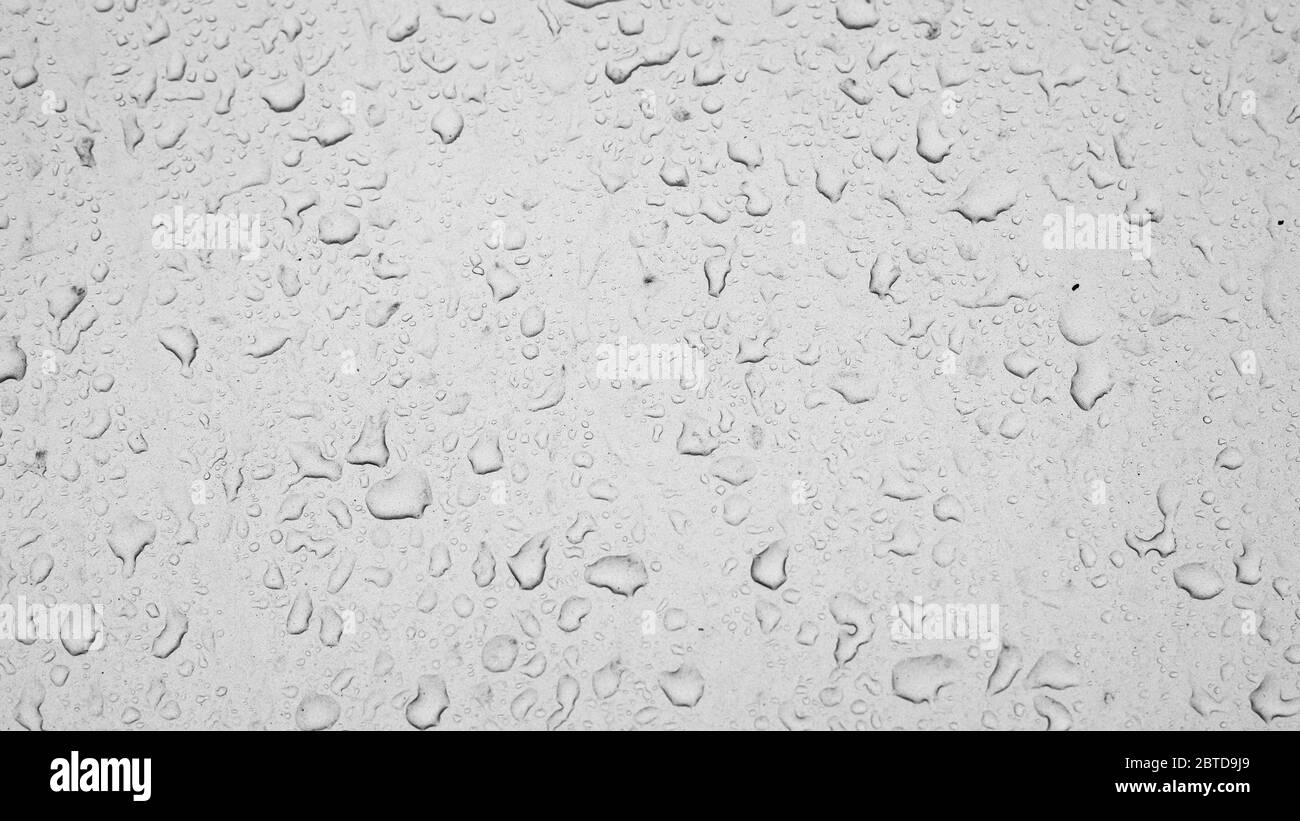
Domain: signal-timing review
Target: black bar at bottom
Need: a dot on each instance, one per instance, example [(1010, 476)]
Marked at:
[(331, 771)]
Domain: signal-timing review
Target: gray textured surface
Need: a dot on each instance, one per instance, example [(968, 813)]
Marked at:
[(653, 364)]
